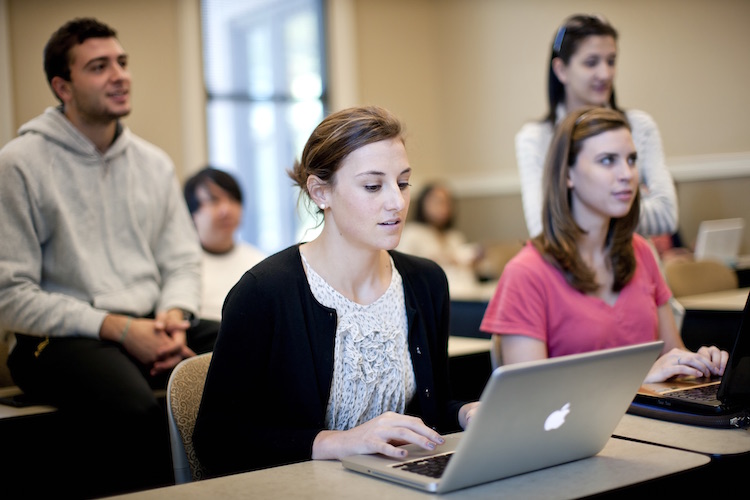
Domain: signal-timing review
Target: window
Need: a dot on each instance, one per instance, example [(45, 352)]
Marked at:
[(264, 70)]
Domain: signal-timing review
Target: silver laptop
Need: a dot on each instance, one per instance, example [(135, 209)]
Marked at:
[(719, 240), (533, 415)]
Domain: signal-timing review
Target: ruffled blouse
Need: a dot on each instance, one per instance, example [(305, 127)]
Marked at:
[(372, 371)]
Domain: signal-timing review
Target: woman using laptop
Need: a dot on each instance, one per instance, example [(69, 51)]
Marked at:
[(336, 346), (582, 70), (588, 282)]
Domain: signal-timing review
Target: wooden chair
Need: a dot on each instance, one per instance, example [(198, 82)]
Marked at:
[(184, 393), (496, 255), (703, 276)]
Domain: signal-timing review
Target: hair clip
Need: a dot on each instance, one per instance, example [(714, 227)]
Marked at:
[(558, 40), (576, 22)]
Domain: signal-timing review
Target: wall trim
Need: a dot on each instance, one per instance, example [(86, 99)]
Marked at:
[(192, 91), (7, 130), (683, 169), (710, 167)]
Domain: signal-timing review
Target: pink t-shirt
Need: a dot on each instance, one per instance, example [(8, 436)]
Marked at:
[(533, 299)]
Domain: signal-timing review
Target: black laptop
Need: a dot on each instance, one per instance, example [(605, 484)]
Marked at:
[(721, 402)]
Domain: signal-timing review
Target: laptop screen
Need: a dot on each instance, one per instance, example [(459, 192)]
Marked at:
[(735, 384), (719, 240)]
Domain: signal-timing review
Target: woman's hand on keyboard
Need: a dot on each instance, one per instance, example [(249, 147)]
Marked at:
[(383, 434), (707, 362)]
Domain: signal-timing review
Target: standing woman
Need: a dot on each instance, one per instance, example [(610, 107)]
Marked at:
[(587, 282), (336, 346), (581, 73)]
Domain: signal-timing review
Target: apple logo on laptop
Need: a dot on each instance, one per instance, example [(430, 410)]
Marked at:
[(557, 418)]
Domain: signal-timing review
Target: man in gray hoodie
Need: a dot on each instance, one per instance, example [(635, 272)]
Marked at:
[(99, 259)]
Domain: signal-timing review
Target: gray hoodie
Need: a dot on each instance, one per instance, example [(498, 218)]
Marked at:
[(84, 233)]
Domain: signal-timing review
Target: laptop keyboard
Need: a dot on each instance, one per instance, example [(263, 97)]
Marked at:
[(705, 393), (431, 466)]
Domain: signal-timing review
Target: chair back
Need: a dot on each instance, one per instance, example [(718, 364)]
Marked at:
[(694, 277), (184, 393)]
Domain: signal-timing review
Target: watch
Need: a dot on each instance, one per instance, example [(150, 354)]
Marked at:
[(189, 316)]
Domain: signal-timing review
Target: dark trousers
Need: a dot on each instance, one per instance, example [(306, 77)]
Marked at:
[(113, 435)]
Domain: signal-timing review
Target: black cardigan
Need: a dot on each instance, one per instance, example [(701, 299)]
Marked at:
[(268, 384)]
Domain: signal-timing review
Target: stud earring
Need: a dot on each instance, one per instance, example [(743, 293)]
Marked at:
[(322, 206)]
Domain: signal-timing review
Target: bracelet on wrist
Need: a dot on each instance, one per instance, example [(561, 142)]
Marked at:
[(125, 330)]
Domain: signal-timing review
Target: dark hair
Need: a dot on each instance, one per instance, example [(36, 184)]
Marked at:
[(420, 215), (57, 51), (209, 174), (567, 40), (338, 135), (558, 242)]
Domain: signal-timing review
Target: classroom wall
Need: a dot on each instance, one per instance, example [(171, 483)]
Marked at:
[(464, 75)]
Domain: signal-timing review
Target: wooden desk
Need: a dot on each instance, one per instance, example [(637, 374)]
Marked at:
[(710, 441), (464, 346), (620, 464), (479, 292), (728, 449), (725, 300), (7, 411)]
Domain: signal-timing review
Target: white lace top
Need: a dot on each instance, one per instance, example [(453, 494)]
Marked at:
[(372, 368)]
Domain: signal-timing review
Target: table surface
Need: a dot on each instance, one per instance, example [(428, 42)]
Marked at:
[(725, 300), (478, 292), (621, 463), (712, 441), (461, 346), (7, 411)]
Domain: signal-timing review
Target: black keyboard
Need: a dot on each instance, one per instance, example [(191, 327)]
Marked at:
[(704, 393), (431, 466)]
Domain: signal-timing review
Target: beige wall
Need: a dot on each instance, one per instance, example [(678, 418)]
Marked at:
[(463, 75), (466, 74), (717, 199), (499, 218), (478, 67)]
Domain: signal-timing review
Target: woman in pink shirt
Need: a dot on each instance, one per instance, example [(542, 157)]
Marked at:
[(587, 282)]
